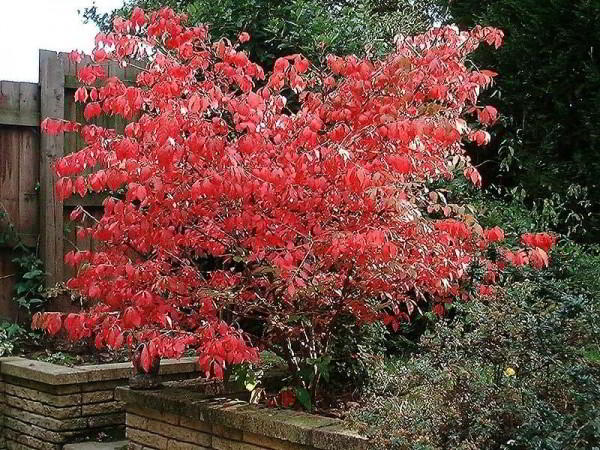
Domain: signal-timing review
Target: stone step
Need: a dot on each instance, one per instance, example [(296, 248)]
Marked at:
[(114, 445)]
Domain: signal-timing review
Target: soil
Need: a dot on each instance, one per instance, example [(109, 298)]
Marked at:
[(70, 354)]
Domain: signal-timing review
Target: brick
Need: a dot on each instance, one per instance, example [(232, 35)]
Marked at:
[(42, 408), (135, 421), (226, 432), (104, 420), (42, 387), (178, 433), (42, 434), (43, 397), (46, 422), (12, 445), (97, 397), (272, 443), (103, 385), (156, 415), (177, 445), (195, 424), (17, 439), (102, 408), (145, 438), (226, 444), (178, 366)]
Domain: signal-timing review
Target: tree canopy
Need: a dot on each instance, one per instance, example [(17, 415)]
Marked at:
[(283, 27), (548, 92)]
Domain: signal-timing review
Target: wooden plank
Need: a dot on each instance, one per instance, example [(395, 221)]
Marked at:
[(29, 176), (19, 118), (29, 98), (70, 143), (9, 95), (71, 82), (131, 72), (9, 174), (8, 271), (92, 199), (52, 104), (19, 104)]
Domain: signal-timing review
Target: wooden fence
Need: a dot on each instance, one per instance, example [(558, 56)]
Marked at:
[(26, 176)]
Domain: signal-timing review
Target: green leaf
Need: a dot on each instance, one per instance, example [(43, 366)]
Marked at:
[(303, 397), (21, 287), (32, 274), (307, 374)]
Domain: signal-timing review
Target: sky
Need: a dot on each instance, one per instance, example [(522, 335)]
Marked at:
[(28, 25)]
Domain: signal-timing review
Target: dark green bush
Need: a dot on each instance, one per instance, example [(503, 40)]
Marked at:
[(548, 90), (521, 372)]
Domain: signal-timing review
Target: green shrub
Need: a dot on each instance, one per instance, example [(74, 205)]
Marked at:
[(521, 372)]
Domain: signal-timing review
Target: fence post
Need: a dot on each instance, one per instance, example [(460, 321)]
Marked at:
[(52, 104)]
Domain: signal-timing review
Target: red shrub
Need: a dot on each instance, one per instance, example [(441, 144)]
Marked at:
[(228, 207)]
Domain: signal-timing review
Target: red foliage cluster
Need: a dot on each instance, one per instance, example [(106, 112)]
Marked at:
[(227, 206)]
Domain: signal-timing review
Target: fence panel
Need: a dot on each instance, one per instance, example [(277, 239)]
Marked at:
[(27, 178), (19, 176)]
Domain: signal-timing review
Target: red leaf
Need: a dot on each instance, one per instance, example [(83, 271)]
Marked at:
[(53, 323), (243, 37), (145, 359)]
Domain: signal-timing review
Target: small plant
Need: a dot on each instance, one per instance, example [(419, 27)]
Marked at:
[(30, 293)]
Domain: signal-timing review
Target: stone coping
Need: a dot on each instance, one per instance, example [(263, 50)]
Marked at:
[(54, 374), (225, 408)]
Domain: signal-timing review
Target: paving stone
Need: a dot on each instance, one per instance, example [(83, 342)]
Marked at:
[(116, 445)]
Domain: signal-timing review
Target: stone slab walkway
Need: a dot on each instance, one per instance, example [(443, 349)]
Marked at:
[(115, 445)]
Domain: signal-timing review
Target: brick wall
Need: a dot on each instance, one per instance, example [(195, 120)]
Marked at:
[(45, 406), (147, 430), (186, 417)]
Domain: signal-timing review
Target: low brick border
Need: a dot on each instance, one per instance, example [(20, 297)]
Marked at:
[(183, 416), (44, 406)]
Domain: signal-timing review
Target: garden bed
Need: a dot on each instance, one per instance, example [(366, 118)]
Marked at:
[(211, 416), (45, 406)]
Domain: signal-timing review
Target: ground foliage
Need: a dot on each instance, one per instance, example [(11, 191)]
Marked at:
[(519, 372)]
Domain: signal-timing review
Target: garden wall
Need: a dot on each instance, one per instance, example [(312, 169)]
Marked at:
[(45, 405), (193, 418)]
